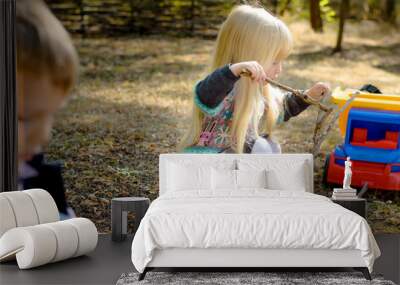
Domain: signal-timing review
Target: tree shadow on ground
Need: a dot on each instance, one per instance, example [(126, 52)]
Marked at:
[(354, 52), (131, 71), (393, 68)]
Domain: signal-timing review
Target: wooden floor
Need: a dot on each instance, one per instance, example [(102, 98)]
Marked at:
[(110, 260)]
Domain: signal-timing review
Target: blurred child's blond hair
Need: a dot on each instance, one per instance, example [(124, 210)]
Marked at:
[(44, 46), (248, 34)]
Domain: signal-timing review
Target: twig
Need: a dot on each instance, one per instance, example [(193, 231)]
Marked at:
[(322, 136), (321, 118), (296, 92), (363, 190), (319, 134)]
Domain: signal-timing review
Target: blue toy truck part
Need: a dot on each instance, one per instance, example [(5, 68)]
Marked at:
[(377, 123)]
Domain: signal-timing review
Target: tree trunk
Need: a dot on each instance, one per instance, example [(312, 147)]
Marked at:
[(285, 6), (192, 17), (315, 16), (344, 8), (275, 6), (270, 5), (389, 11)]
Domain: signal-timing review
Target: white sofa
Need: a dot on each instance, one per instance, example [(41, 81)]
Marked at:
[(164, 237), (31, 233)]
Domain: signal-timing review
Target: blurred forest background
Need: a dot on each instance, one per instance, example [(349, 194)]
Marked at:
[(139, 61), (202, 17)]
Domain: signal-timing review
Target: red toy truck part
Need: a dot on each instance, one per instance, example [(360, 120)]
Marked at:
[(377, 175), (360, 139)]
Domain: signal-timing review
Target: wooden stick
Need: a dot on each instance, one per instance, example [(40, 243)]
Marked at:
[(319, 134), (296, 92), (321, 118)]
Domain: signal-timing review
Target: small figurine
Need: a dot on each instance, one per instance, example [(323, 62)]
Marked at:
[(347, 174)]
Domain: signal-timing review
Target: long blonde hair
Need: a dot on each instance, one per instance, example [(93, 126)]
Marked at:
[(248, 34)]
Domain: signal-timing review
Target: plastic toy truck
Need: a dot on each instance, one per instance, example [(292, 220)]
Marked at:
[(371, 129)]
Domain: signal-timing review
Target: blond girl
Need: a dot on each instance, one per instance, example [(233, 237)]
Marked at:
[(236, 114)]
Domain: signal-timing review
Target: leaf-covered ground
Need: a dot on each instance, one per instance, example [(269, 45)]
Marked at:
[(133, 102)]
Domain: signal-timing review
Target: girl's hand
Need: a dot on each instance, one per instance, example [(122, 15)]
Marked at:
[(318, 91), (257, 71)]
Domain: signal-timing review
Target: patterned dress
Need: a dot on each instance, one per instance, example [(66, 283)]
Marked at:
[(217, 124), (215, 97)]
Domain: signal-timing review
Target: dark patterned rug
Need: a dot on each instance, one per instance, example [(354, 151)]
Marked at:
[(231, 278)]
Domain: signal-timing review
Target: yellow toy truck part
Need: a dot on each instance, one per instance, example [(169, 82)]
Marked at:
[(388, 102)]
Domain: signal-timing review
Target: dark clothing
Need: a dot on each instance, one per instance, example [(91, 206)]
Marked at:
[(49, 178), (213, 89)]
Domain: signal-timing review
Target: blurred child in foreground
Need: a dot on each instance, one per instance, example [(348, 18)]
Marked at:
[(47, 68)]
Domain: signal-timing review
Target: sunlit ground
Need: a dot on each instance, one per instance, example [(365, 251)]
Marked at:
[(133, 102)]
